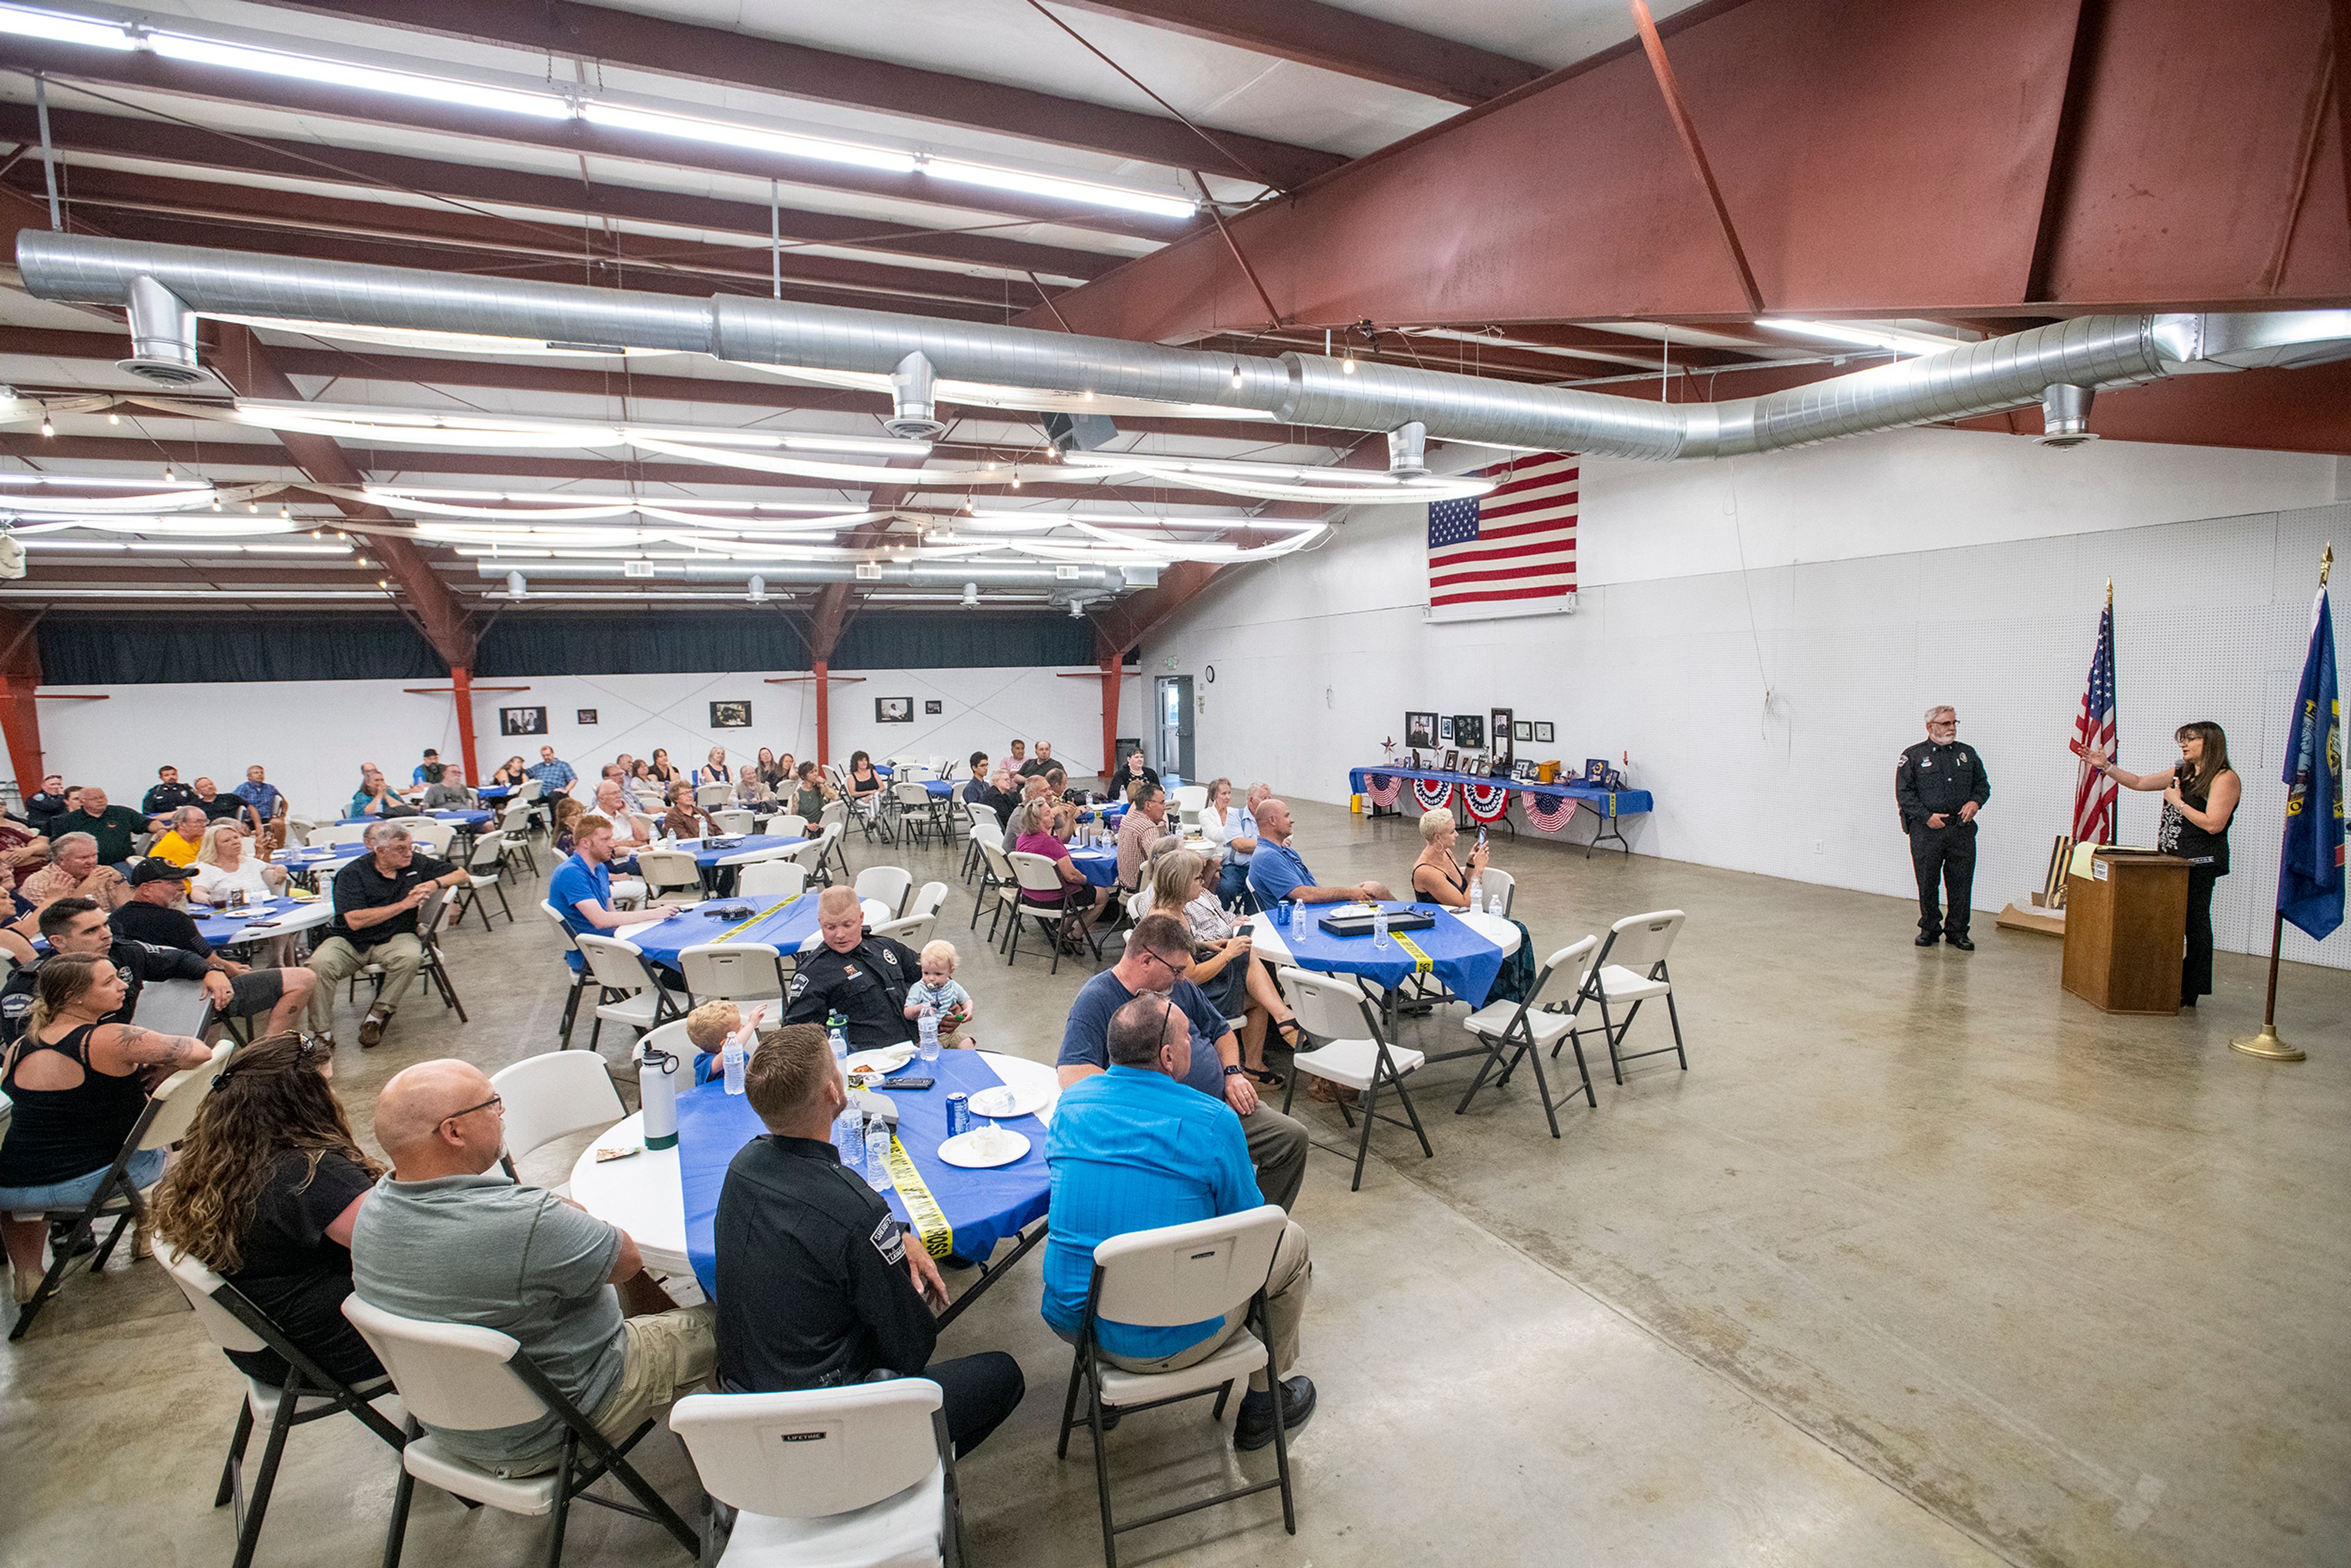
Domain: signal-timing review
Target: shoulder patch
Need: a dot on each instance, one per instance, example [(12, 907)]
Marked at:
[(889, 1241), (799, 985)]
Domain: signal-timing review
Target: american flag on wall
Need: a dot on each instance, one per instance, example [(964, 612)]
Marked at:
[(2093, 731), (1511, 551)]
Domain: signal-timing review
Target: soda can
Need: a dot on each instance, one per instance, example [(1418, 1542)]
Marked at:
[(958, 1115)]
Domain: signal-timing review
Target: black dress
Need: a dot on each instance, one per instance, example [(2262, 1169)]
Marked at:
[(2207, 855), (298, 1275)]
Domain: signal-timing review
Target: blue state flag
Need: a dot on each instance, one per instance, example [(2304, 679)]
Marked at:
[(2309, 877)]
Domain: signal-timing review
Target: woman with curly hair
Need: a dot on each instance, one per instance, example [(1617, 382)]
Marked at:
[(266, 1186)]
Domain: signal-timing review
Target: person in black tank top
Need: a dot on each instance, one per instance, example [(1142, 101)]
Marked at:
[(2200, 796), (80, 1084)]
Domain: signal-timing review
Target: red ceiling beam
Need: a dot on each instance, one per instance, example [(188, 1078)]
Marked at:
[(1865, 163), (721, 56), (143, 71), (1328, 38), (1670, 88), (77, 130)]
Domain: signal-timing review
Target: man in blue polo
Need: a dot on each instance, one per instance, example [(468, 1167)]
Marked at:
[(1136, 1147), (1277, 871), (581, 887)]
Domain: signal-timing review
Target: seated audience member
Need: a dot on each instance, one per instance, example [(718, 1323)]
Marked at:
[(23, 851), (427, 771), (1134, 771), (1033, 832), (763, 779), (1232, 830), (812, 791), (664, 771), (374, 798), (167, 797), (1158, 951), (116, 829), (510, 773), (155, 885), (685, 819), (1018, 763), (643, 791), (1185, 885), (448, 792), (940, 992), (262, 798), (79, 1083), (1057, 783), (74, 871), (1003, 793), (610, 806), (714, 769), (1142, 832), (376, 900), (708, 1028), (863, 977), (223, 867), (1436, 876), (216, 807), (581, 887), (447, 1237), (43, 806), (1277, 871), (186, 839), (974, 789), (1133, 1148), (818, 1285), (264, 1192), (554, 776), (1038, 764), (568, 812), (864, 783)]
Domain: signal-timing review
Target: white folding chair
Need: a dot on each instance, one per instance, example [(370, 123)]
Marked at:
[(786, 825), (631, 993), (914, 804), (456, 1378), (429, 966), (888, 883), (975, 829), (573, 960), (514, 831), (1522, 1029), (736, 971), (735, 819), (710, 797), (308, 1393), (826, 850), (914, 927), (552, 1096), (999, 888), (669, 871), (1055, 911), (484, 874), (1355, 1053), (163, 1121), (1631, 969), (1189, 799), (772, 878), (838, 1477), (1170, 1277), (430, 833), (1493, 883)]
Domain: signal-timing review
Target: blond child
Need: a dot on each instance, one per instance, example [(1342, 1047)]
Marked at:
[(938, 992), (708, 1028)]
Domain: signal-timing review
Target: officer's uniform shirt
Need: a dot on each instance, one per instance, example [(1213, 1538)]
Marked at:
[(813, 1290), (164, 798), (1934, 778), (867, 985)]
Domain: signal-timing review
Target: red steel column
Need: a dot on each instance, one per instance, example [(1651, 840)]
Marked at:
[(1110, 671), (460, 681), (823, 713)]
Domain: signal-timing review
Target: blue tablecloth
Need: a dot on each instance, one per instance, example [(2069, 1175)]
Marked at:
[(1616, 803), (982, 1206), (940, 786), (493, 792), (472, 821), (783, 924), (217, 929), (1464, 961), (1101, 866)]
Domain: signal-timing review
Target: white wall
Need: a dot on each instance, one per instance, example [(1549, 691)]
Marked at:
[(1884, 575), (313, 735)]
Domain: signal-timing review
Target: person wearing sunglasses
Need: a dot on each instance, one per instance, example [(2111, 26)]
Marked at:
[(1940, 785), (448, 1237)]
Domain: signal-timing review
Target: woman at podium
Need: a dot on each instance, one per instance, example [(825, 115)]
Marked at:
[(2200, 795)]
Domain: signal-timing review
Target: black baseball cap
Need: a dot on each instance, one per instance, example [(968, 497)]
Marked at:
[(155, 868)]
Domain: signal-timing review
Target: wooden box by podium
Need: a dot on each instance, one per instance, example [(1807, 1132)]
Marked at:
[(2124, 925)]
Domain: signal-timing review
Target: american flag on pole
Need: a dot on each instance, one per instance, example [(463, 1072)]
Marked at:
[(2093, 731), (1511, 551)]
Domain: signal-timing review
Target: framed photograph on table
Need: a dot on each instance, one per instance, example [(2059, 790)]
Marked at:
[(1452, 763), (1595, 771), (1420, 729), (1542, 733), (1526, 770), (1503, 728)]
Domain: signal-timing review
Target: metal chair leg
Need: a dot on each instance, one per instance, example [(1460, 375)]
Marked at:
[(404, 1492), (229, 1470), (266, 1479)]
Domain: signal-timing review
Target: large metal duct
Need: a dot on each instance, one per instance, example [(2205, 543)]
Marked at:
[(2087, 354), (942, 573)]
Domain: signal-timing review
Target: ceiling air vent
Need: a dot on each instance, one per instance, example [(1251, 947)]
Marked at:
[(636, 569)]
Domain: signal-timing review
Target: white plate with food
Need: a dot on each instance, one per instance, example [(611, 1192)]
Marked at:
[(878, 1063), (984, 1147), (1004, 1101)]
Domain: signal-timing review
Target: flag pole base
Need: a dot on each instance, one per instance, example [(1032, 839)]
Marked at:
[(2268, 1046)]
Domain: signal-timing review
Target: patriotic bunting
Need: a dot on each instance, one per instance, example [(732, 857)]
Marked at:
[(1486, 802), (1546, 813), (1383, 789), (1433, 795)]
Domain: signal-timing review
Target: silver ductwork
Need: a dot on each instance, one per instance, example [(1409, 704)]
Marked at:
[(2065, 416), (914, 400), (948, 574), (163, 337), (1967, 381)]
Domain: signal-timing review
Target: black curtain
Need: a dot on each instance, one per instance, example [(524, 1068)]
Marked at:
[(123, 651), (644, 644), (962, 639)]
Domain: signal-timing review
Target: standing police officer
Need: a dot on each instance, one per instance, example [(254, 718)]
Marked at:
[(863, 978), (1939, 787)]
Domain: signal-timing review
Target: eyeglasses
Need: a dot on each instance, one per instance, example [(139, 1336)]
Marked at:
[(1174, 967), (460, 1116)]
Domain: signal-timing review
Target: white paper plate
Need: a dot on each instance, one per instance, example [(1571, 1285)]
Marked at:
[(962, 1149), (1003, 1102), (883, 1061)]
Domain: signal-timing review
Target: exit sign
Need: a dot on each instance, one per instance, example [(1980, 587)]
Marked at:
[(1171, 660)]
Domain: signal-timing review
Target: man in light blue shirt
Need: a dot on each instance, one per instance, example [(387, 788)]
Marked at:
[(554, 778), (1278, 872), (1134, 1148)]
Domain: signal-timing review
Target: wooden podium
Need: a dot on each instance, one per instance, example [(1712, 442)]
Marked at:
[(2126, 924)]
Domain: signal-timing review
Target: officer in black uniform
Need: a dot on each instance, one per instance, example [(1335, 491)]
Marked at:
[(818, 1285), (863, 978), (1940, 785)]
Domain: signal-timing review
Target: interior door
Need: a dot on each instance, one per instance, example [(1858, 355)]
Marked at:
[(1174, 725)]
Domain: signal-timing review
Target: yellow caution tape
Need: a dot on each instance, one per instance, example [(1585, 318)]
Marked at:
[(772, 909), (1421, 962), (930, 1223)]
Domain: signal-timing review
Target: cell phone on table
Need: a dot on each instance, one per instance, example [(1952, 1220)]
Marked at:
[(908, 1082)]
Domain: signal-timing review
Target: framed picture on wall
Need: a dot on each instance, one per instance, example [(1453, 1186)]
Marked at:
[(933, 705), (894, 710), (1523, 730), (730, 715), (1419, 728), (1503, 726), (585, 716), (1542, 733), (1469, 731), (522, 721)]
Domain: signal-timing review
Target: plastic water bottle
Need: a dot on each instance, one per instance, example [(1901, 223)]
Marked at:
[(836, 1031), (1380, 926), (733, 1059), (1494, 907), (1296, 913), (877, 1153), (929, 1048), (1476, 891), (849, 1137)]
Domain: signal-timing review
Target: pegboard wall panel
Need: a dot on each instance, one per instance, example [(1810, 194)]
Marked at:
[(1766, 708)]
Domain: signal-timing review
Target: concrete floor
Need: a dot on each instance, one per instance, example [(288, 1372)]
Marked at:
[(1921, 1262)]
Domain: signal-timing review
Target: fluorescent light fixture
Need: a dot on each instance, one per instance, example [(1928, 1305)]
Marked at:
[(191, 528), (88, 482), (73, 544), (787, 144), (368, 78), (27, 23), (545, 497), (885, 446), (1059, 187), (1893, 339), (214, 594)]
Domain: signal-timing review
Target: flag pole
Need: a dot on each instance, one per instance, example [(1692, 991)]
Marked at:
[(2267, 1044)]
